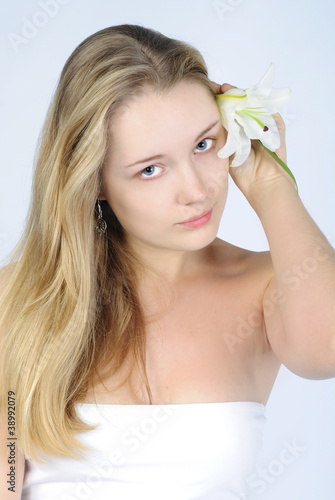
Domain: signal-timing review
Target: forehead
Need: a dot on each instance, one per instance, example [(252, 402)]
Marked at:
[(177, 114)]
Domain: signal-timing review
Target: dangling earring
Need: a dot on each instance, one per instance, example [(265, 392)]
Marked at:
[(101, 224)]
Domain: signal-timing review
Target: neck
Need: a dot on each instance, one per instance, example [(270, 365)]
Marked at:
[(172, 266)]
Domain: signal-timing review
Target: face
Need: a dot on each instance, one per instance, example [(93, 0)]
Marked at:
[(162, 169)]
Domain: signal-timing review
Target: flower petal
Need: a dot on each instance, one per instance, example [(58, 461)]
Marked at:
[(231, 100), (238, 143), (233, 93), (270, 138), (277, 100), (232, 143), (263, 87), (244, 149)]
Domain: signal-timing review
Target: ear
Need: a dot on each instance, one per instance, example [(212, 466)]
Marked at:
[(101, 195)]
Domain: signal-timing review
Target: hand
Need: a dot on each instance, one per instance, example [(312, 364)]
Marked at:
[(221, 89), (260, 170)]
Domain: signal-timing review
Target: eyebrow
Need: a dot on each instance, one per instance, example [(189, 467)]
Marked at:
[(160, 156)]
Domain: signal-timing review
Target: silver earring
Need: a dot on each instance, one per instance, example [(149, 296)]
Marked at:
[(101, 224)]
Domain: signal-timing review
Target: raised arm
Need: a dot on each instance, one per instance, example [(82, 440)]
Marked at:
[(299, 303)]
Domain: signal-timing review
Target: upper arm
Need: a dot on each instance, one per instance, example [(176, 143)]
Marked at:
[(11, 458), (309, 358)]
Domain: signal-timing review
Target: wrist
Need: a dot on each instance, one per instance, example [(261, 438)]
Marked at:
[(273, 194)]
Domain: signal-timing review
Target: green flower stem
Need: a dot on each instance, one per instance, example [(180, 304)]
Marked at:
[(280, 162)]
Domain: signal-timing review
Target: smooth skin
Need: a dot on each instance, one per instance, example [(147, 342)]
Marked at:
[(235, 315), (227, 317)]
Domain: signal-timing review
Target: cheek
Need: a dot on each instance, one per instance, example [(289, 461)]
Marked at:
[(217, 180), (135, 209), (124, 206)]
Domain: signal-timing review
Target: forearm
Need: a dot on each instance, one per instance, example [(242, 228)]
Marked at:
[(304, 266)]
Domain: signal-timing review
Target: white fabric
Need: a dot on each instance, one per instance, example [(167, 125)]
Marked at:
[(195, 451)]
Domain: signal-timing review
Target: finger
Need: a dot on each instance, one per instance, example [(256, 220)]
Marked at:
[(279, 122), (216, 87), (226, 86), (221, 89), (281, 151)]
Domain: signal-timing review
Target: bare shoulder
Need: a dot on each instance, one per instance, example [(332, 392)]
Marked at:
[(237, 261), (244, 276)]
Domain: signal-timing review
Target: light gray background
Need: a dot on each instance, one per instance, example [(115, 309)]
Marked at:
[(239, 39)]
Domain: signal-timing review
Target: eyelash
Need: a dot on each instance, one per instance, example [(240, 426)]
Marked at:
[(205, 151), (205, 140)]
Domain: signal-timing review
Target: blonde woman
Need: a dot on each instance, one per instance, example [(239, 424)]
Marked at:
[(138, 350)]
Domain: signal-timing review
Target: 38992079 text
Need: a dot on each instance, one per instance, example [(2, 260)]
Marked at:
[(11, 441)]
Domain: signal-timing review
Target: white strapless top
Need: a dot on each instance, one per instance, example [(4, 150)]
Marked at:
[(193, 451)]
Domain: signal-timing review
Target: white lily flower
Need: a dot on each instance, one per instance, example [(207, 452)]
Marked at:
[(247, 114)]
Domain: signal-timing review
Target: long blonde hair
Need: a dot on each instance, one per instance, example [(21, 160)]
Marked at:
[(71, 307)]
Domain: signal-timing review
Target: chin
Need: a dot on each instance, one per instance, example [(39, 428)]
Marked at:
[(205, 235), (199, 238)]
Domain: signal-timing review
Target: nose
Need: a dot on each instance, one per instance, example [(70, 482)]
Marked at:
[(191, 184)]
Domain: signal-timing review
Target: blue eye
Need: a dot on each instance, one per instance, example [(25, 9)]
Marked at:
[(204, 145), (149, 171)]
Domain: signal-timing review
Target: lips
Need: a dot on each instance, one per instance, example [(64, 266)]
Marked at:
[(196, 222), (197, 217)]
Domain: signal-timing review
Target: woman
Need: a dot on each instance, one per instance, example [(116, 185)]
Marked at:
[(140, 350)]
